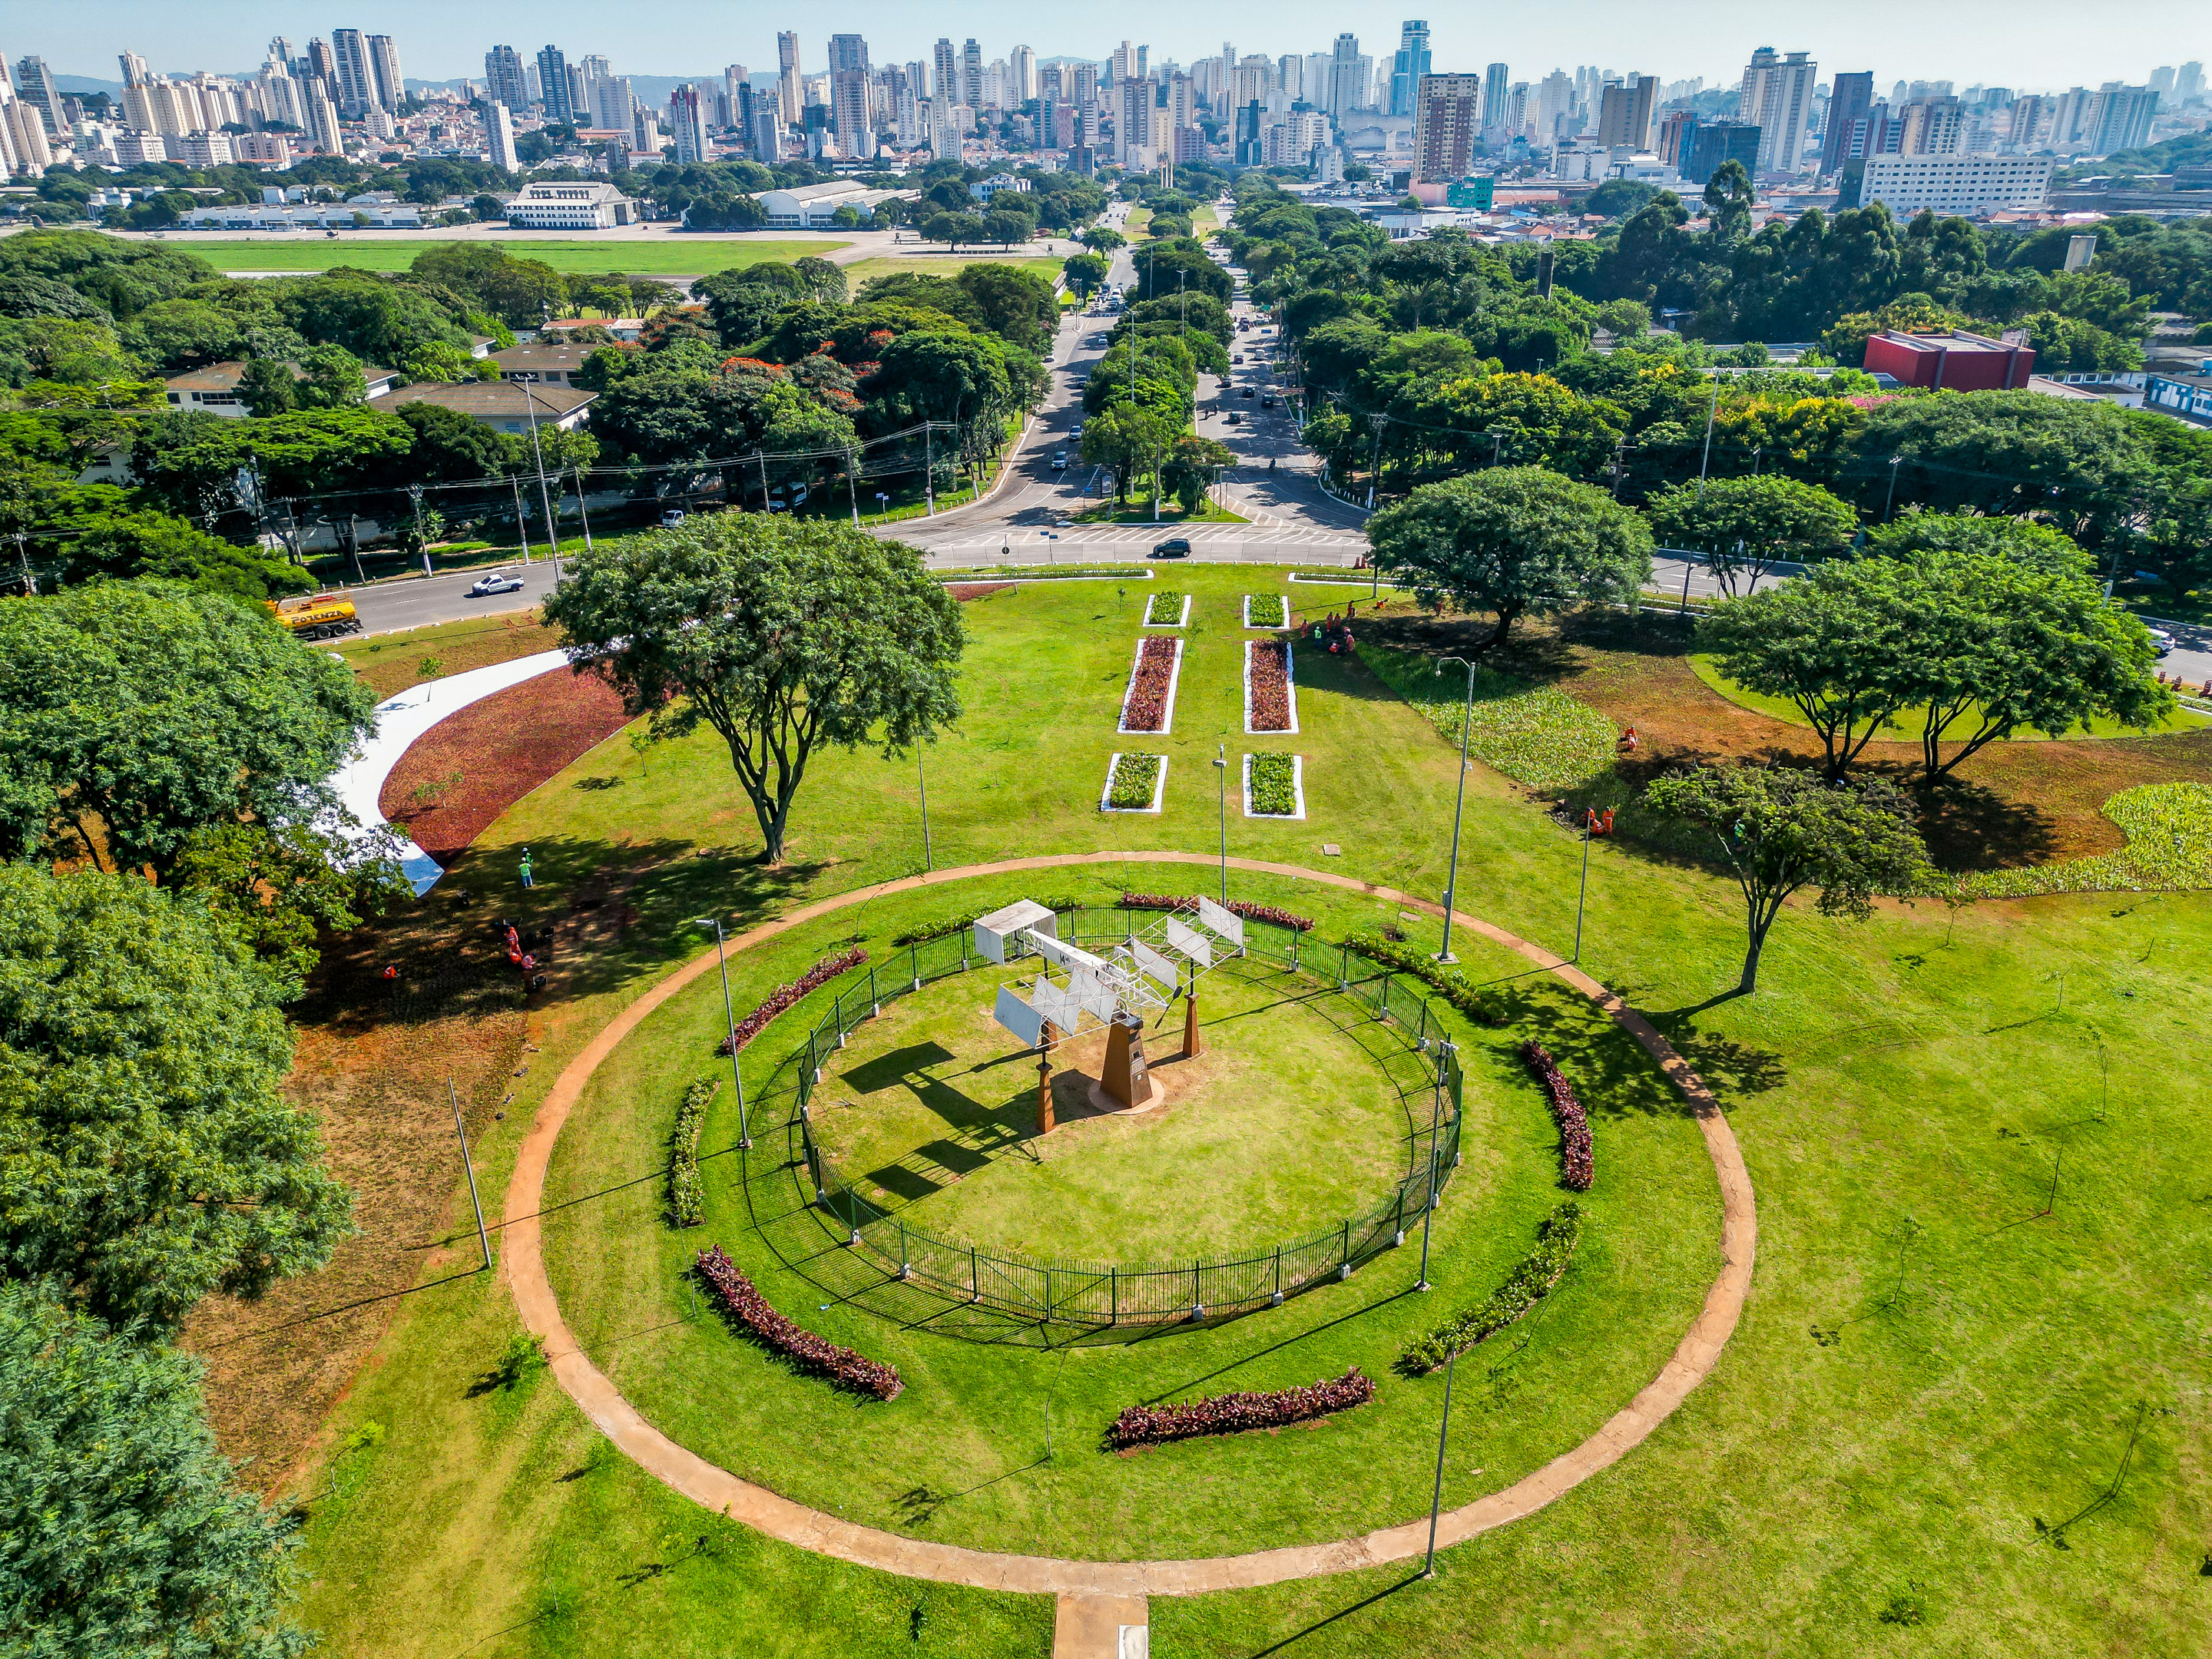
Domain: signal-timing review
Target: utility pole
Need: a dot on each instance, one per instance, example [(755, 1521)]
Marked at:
[(422, 546), (1437, 1500), (1705, 464), (30, 582), (521, 529), (729, 1016), (853, 488), (929, 466), (1452, 883), (1221, 766), (583, 508), (1582, 893), (545, 496), (483, 1239)]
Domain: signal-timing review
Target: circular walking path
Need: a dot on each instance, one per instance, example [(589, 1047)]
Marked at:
[(524, 1264)]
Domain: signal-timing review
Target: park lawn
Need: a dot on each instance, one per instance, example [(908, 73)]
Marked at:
[(1906, 727), (666, 255), (862, 270), (391, 662), (1133, 226), (1926, 1366)]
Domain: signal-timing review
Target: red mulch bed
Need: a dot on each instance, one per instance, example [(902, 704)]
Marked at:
[(1271, 696), (965, 590), (1147, 702), (502, 749)]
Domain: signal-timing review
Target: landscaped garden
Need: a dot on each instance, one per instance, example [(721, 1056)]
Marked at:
[(1971, 1130)]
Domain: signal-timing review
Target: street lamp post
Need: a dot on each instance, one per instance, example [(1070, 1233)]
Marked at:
[(921, 777), (1221, 768), (1451, 881), (537, 452), (1437, 1500), (583, 509), (1582, 893), (729, 1015)]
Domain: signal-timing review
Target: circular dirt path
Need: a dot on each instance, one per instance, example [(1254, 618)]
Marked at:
[(523, 1262)]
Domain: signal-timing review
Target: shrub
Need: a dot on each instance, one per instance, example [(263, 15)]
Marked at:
[(1146, 708), (1135, 776), (1530, 1283), (1186, 903), (1268, 695), (808, 1352), (686, 1203), (930, 930), (820, 974), (1233, 1414), (1447, 981), (1267, 610), (1577, 1166), (1273, 780), (1164, 608)]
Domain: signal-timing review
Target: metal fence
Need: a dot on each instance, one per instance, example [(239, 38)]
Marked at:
[(1104, 1294)]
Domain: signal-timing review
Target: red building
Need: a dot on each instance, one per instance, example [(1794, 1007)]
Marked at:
[(1951, 362)]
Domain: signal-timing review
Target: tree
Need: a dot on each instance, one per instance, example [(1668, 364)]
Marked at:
[(1190, 467), (2023, 541), (1125, 438), (784, 637), (1782, 829), (1515, 540), (150, 1155), (133, 713), (275, 888), (267, 388), (1531, 419), (1101, 240), (1745, 526), (1086, 272), (125, 1532)]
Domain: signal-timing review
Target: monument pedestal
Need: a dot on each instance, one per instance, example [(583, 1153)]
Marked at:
[(1045, 1119), (1192, 1045)]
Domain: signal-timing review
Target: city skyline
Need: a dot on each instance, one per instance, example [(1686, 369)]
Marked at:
[(2026, 46)]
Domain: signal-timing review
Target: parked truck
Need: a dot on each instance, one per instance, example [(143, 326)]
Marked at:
[(316, 616)]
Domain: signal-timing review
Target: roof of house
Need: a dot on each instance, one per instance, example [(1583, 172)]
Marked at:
[(545, 354), (491, 399), (226, 376), (1954, 341)]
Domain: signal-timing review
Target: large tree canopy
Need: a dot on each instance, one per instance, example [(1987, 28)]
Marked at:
[(133, 713), (784, 637), (1515, 540), (147, 1155), (1746, 525)]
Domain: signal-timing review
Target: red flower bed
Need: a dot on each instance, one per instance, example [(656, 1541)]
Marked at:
[(801, 1346), (1576, 1164), (1146, 708), (1188, 905), (1233, 1414), (1271, 685), (820, 974)]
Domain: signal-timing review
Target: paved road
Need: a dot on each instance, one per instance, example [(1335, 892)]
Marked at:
[(418, 602)]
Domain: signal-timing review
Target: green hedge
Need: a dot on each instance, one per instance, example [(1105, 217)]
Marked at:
[(1165, 607), (686, 1203), (930, 930), (1447, 981), (1268, 610), (1531, 1282), (1135, 776)]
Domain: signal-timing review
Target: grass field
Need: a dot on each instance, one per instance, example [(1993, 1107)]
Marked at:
[(380, 250), (862, 270), (1977, 1313)]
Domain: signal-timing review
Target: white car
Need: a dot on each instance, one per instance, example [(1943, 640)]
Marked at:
[(499, 582)]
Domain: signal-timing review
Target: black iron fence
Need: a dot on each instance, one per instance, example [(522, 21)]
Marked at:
[(1104, 1294)]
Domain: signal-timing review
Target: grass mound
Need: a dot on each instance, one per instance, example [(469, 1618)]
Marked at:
[(1534, 734)]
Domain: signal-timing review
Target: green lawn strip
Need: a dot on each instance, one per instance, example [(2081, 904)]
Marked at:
[(1274, 785), (2169, 831), (1536, 734), (862, 270), (1136, 779), (662, 256), (1166, 609), (1905, 728)]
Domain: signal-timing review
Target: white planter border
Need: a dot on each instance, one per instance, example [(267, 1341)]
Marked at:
[(1160, 785), (1297, 791), (1183, 621), (1289, 692), (1285, 622), (1167, 713)]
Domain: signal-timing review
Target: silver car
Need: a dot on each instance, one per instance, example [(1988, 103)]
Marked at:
[(499, 582)]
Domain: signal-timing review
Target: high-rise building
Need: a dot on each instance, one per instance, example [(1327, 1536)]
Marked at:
[(503, 78), (1673, 143), (134, 69), (499, 138), (34, 85), (971, 75), (943, 71), (384, 69), (1344, 78), (686, 124), (1713, 142), (322, 122), (1447, 114), (553, 85), (1850, 98), (1494, 113), (848, 95), (1133, 101), (2161, 80), (762, 120), (791, 95), (614, 103), (2120, 118), (1776, 96), (1023, 65), (1555, 104), (355, 85), (2189, 84), (1408, 68), (1932, 126), (1623, 115), (321, 65)]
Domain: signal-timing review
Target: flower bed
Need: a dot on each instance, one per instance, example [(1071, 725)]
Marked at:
[(685, 1200), (961, 923), (1534, 734), (819, 974), (2169, 831), (1148, 705), (1167, 608), (1274, 786), (1577, 1165), (1135, 782), (1188, 904), (804, 1349), (1532, 1281), (1270, 703), (1447, 981), (1267, 610), (1233, 1414)]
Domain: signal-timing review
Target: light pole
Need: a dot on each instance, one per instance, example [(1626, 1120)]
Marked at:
[(1429, 1198), (544, 496), (921, 777), (1707, 461), (1451, 881), (1221, 768), (729, 1015), (1436, 1501), (583, 509), (1890, 501), (1582, 893)]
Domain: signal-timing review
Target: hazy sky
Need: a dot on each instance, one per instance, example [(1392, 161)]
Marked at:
[(2025, 43)]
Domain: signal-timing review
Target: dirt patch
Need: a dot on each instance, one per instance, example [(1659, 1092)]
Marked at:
[(471, 766), (965, 590)]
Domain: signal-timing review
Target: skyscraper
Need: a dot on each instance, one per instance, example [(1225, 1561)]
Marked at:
[(790, 95), (503, 79), (134, 69), (848, 95), (1408, 68), (1343, 78), (1555, 102), (1133, 122), (356, 82), (383, 68), (1494, 113), (1022, 62), (971, 74), (499, 138), (1850, 98), (943, 71), (687, 124), (2189, 84), (553, 85), (614, 104), (2120, 118), (1446, 108), (1776, 96), (1623, 115)]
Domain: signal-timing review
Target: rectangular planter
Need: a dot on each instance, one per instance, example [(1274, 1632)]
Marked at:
[(1289, 692), (1167, 709), (1183, 621), (1283, 598), (1297, 791), (1159, 787)]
